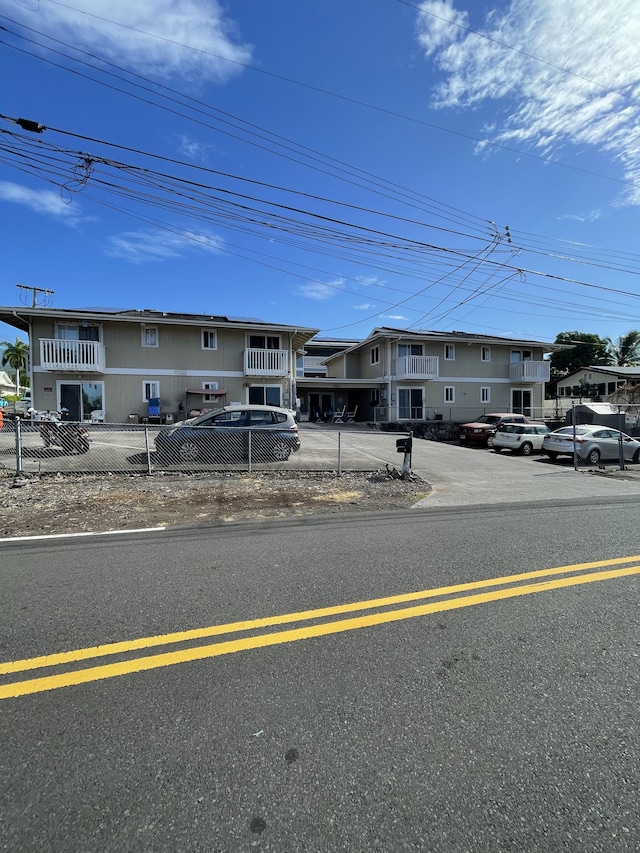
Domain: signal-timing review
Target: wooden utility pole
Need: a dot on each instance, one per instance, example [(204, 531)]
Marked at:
[(35, 291)]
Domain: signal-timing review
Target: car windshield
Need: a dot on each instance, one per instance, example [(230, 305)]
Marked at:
[(569, 431), (488, 419)]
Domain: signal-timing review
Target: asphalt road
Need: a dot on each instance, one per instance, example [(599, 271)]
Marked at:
[(468, 715)]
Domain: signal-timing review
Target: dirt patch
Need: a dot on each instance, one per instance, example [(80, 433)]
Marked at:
[(60, 504)]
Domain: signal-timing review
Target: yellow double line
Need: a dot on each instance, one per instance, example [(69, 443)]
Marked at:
[(510, 586)]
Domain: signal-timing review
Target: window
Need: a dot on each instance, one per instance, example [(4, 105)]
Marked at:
[(149, 336), (264, 342), (265, 395), (518, 355), (449, 394), (449, 352), (485, 394), (150, 390), (83, 331), (209, 339), (374, 355), (209, 386), (409, 349), (485, 353)]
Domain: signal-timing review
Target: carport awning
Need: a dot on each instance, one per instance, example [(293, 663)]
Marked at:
[(208, 392)]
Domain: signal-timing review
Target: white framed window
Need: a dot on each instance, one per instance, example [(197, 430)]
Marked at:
[(263, 341), (209, 386), (485, 394), (209, 339), (150, 389), (449, 393), (374, 355), (149, 336), (485, 353), (449, 352)]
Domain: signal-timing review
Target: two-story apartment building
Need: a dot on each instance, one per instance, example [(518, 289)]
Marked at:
[(118, 362), (395, 374)]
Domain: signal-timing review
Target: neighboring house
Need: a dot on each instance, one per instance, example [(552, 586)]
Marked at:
[(122, 365), (396, 374), (7, 385), (608, 384)]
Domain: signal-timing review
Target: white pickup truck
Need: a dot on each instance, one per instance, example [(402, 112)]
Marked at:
[(20, 408)]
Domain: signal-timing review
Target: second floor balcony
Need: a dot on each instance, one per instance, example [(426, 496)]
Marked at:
[(77, 356), (530, 371), (266, 362), (417, 367)]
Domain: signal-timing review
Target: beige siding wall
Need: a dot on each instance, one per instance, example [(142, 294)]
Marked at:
[(177, 363)]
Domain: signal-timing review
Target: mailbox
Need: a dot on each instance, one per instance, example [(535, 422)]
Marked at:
[(403, 445)]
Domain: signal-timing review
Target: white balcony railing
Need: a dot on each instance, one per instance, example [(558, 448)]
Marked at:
[(81, 356), (417, 367), (266, 362), (530, 371)]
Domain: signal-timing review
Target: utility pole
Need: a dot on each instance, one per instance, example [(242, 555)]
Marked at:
[(34, 293)]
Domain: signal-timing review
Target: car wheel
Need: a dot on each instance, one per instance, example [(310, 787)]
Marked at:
[(189, 451), (497, 449), (593, 457), (281, 451), (489, 441), (551, 454), (636, 456), (526, 449)]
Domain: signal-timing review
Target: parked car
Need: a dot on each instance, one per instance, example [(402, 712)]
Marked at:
[(482, 430), (520, 438), (224, 435), (592, 443)]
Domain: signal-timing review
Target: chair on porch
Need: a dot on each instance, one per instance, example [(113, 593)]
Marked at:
[(339, 417), (97, 416), (351, 416)]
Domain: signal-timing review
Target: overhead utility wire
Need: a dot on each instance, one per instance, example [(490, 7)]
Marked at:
[(346, 98), (404, 194), (541, 252), (377, 234)]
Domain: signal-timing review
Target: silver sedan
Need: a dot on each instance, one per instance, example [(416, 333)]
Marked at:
[(592, 443)]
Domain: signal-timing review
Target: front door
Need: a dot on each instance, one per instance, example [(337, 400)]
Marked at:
[(81, 398), (410, 404), (522, 401), (70, 399)]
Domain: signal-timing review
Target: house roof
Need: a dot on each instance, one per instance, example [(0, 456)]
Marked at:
[(19, 317), (382, 332), (632, 372)]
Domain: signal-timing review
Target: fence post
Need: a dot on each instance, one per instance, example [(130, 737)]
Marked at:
[(146, 442), (249, 449), (339, 453), (16, 421)]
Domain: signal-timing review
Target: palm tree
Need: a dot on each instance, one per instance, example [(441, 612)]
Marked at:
[(15, 355), (626, 351)]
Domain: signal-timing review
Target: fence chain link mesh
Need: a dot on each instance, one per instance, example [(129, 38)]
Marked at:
[(37, 449)]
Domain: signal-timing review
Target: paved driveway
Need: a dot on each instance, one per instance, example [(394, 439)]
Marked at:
[(464, 476)]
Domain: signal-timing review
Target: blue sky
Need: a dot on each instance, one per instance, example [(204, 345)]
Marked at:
[(444, 165)]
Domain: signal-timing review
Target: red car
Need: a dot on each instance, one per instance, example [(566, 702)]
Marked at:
[(481, 431)]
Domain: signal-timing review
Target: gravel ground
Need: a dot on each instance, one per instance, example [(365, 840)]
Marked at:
[(58, 504)]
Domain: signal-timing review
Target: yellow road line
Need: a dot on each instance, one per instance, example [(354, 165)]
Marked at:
[(268, 621), (96, 673)]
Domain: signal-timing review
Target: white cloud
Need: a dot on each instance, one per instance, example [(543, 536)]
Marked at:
[(543, 105), (47, 202), (366, 306), (395, 317), (192, 39), (147, 246), (319, 291), (593, 216), (368, 280), (195, 151)]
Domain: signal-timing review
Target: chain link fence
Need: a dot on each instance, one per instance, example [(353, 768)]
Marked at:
[(69, 448)]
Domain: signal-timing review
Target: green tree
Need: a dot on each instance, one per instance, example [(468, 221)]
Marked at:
[(15, 355), (588, 350), (624, 352)]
